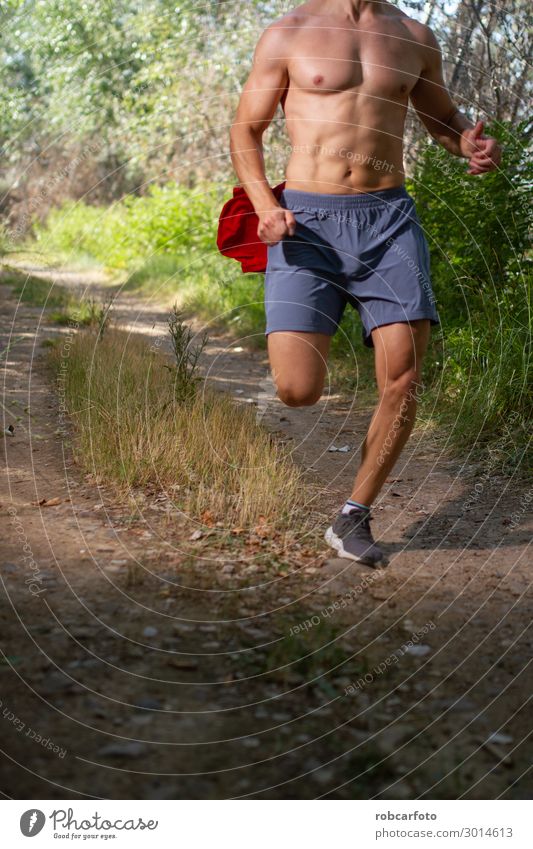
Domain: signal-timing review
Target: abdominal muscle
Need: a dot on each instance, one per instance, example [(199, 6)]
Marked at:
[(346, 153)]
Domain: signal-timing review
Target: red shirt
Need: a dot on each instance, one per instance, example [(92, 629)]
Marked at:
[(237, 231)]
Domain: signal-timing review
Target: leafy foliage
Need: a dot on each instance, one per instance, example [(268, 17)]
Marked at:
[(168, 219), (478, 231)]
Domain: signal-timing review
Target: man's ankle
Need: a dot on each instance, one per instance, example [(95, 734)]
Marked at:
[(351, 506)]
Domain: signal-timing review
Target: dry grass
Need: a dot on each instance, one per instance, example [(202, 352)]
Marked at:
[(134, 430)]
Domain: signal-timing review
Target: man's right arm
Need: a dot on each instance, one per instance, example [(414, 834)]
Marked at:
[(259, 100)]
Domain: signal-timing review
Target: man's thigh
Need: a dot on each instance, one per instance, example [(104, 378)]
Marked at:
[(297, 357), (400, 348)]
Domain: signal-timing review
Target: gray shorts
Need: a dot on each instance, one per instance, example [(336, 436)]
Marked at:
[(367, 250)]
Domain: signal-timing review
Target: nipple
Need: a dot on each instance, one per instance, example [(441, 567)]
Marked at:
[(318, 79), (403, 88)]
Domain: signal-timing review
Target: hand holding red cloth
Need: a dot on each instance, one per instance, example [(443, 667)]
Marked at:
[(237, 231)]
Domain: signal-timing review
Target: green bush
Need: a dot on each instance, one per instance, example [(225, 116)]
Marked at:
[(477, 229), (169, 219), (4, 242)]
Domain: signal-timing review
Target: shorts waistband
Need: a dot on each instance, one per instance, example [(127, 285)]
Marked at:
[(293, 199)]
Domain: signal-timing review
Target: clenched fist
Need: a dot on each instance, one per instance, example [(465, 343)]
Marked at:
[(483, 152), (274, 224)]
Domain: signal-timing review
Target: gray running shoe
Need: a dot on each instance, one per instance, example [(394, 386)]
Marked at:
[(350, 535)]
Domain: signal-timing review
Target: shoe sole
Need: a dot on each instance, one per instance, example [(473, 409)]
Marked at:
[(336, 542)]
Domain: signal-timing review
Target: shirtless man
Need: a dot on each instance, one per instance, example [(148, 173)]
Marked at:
[(345, 229)]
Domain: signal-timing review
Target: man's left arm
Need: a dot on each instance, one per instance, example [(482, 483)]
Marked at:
[(444, 121)]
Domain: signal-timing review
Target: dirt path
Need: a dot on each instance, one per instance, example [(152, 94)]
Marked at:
[(135, 670)]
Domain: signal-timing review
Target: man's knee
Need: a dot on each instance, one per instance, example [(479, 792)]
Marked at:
[(298, 396), (402, 389)]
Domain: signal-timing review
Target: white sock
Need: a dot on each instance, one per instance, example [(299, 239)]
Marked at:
[(351, 506)]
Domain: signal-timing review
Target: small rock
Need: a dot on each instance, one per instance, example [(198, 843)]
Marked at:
[(399, 790), (122, 750), (182, 628), (343, 450), (150, 631), (91, 663), (389, 739), (95, 707), (82, 632), (141, 719), (148, 704), (343, 681), (324, 776), (251, 742), (418, 651), (183, 662), (462, 704), (500, 739), (57, 682), (40, 629), (196, 535)]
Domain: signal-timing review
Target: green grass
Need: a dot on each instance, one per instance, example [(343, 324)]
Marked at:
[(35, 290), (63, 306), (169, 219), (4, 241)]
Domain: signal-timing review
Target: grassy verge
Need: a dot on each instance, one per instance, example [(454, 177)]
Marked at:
[(143, 421), (62, 306), (213, 290)]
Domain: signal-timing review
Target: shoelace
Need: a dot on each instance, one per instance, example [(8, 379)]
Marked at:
[(360, 522)]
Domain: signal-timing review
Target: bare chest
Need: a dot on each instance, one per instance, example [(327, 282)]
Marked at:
[(331, 61)]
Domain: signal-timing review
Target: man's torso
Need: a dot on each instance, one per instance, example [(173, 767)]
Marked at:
[(347, 98)]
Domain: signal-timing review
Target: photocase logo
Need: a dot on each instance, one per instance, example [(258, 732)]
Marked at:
[(32, 822)]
